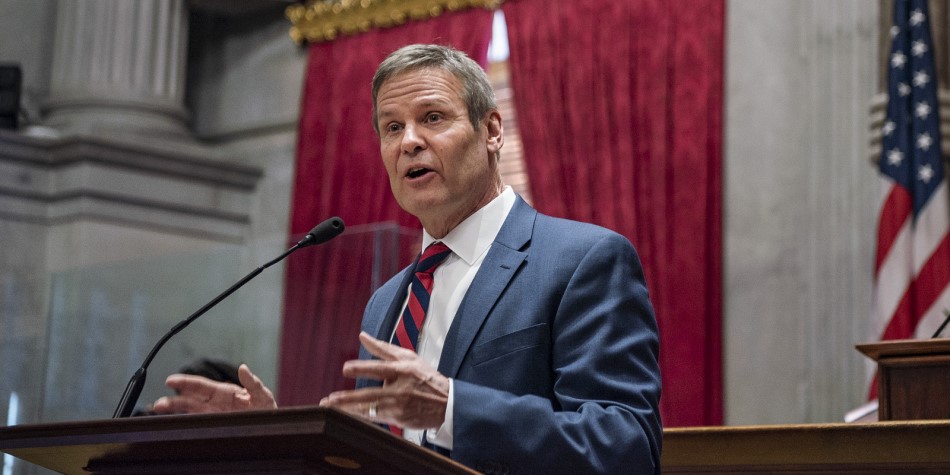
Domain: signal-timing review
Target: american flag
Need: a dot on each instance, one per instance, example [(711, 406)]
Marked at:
[(912, 270)]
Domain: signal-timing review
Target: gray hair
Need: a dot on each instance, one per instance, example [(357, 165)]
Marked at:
[(477, 92)]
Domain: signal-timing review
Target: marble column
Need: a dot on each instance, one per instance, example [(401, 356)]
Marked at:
[(119, 68), (800, 199), (119, 226)]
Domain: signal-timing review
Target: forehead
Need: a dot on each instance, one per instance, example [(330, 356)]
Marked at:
[(419, 87)]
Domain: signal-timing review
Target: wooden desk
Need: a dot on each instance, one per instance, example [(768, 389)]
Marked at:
[(304, 440), (918, 447)]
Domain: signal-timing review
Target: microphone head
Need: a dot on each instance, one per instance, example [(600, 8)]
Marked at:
[(323, 232)]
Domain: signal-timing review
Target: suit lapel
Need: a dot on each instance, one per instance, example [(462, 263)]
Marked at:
[(505, 256), (385, 329)]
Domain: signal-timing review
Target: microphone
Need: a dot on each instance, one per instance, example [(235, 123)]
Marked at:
[(942, 325), (320, 234)]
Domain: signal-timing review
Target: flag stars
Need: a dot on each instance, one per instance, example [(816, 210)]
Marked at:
[(895, 157), (925, 173), (909, 131), (924, 141), (889, 127), (898, 60)]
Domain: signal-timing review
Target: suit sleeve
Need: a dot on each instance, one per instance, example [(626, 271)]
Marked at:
[(604, 415)]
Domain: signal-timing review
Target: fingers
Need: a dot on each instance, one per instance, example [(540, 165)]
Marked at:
[(382, 350), (413, 394), (182, 405), (260, 396), (353, 397), (409, 409), (363, 403), (375, 369), (199, 394), (359, 399), (197, 386), (394, 362)]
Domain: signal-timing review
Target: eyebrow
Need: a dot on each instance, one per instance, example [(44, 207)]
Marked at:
[(427, 104)]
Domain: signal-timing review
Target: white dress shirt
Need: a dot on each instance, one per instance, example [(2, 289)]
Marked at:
[(469, 242)]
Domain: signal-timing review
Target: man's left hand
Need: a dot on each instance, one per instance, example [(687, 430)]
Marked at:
[(414, 395)]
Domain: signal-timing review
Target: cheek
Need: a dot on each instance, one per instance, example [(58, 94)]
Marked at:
[(389, 160)]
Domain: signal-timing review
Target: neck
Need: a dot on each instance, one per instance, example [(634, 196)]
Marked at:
[(439, 226)]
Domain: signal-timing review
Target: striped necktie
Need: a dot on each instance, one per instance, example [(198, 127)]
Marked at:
[(409, 326), (413, 316)]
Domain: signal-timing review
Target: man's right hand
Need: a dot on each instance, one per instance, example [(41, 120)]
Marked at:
[(197, 394)]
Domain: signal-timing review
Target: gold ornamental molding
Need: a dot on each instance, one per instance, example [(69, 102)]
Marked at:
[(325, 20)]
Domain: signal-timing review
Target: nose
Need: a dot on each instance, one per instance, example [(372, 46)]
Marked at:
[(412, 140)]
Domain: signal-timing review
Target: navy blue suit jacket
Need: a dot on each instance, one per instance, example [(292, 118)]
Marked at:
[(553, 352)]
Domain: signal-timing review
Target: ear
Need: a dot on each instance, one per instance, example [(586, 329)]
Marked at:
[(496, 133)]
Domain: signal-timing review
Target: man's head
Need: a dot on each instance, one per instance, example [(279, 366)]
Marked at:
[(478, 95), (440, 134)]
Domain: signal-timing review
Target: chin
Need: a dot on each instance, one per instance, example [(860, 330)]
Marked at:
[(415, 205), (421, 198), (420, 209)]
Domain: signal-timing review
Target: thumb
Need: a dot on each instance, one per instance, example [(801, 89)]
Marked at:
[(261, 396)]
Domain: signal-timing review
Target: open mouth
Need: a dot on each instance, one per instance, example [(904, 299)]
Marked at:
[(417, 172)]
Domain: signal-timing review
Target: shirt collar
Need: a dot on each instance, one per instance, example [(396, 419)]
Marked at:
[(472, 237)]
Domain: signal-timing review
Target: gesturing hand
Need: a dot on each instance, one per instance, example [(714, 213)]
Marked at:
[(414, 395), (199, 394)]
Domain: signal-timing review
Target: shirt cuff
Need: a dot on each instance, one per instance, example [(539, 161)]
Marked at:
[(442, 436)]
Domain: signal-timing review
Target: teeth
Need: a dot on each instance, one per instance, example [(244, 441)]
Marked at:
[(415, 172)]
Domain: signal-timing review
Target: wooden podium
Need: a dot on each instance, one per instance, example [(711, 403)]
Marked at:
[(897, 447), (913, 378), (913, 384), (305, 440)]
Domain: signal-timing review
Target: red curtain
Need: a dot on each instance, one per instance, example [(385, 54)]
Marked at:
[(339, 172), (620, 110)]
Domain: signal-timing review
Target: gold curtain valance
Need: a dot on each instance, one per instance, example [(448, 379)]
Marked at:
[(325, 20)]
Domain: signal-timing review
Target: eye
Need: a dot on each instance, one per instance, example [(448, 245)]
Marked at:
[(393, 127), (433, 117)]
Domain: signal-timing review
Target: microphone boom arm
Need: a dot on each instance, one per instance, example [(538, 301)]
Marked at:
[(321, 233)]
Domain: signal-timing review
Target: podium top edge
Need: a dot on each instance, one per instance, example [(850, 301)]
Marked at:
[(892, 348)]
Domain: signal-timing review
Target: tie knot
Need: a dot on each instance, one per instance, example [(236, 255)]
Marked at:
[(432, 257)]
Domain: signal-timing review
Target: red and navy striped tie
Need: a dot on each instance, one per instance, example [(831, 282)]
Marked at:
[(409, 326), (407, 331)]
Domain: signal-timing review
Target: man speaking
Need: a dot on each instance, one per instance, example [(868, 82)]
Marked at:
[(516, 342)]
